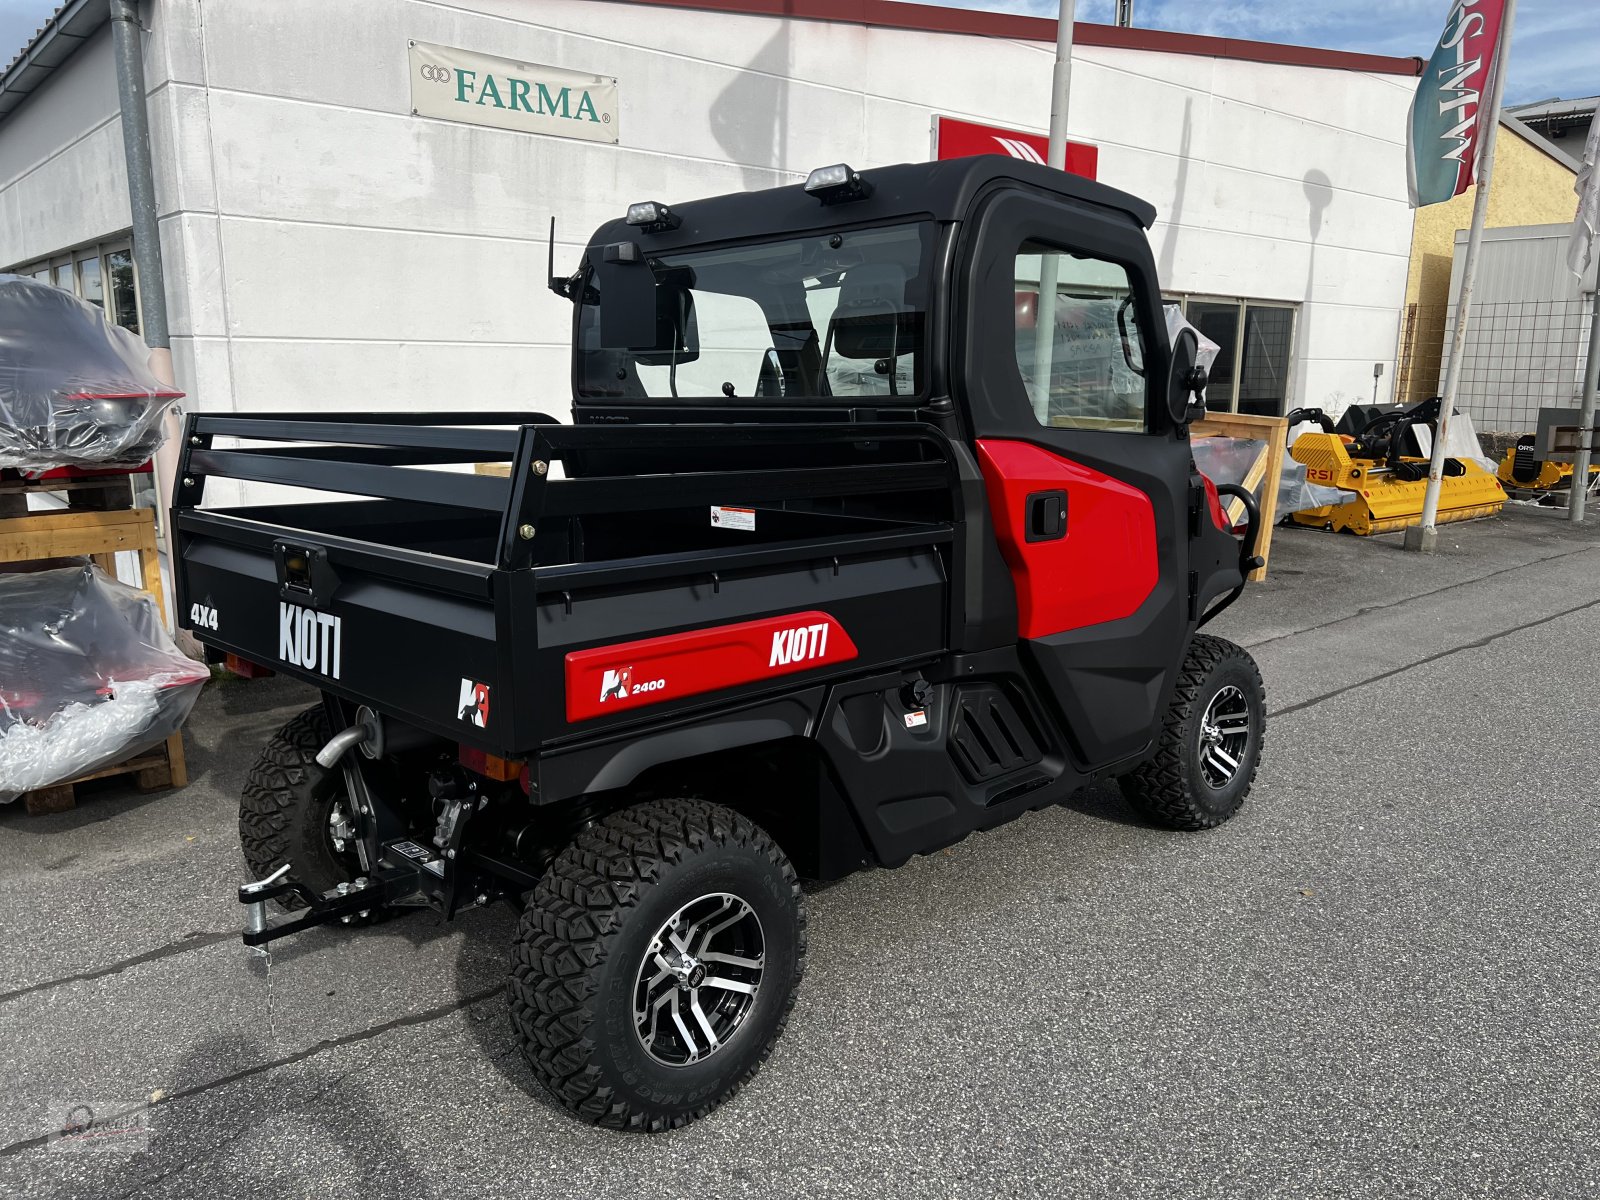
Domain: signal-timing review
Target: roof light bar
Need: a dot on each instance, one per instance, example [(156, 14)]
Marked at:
[(653, 216), (837, 184)]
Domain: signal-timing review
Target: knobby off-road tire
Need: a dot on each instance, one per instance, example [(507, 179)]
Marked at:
[(595, 932), (285, 808), (1218, 705)]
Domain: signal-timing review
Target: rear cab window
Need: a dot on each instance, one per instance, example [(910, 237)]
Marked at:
[(840, 314)]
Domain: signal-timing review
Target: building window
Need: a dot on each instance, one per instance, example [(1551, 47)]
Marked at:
[(1089, 373), (1253, 370), (90, 285), (101, 273), (124, 296)]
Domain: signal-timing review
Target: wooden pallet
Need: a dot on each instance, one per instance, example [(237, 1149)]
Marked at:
[(32, 538), (153, 770), (1264, 475)]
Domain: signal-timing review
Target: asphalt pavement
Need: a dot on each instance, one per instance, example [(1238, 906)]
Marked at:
[(1379, 980)]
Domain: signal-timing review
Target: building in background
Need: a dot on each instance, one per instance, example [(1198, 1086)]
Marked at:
[(1530, 327), (347, 223), (1562, 123), (1532, 186)]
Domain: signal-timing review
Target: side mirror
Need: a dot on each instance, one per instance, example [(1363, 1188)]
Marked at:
[(1186, 382), (677, 337)]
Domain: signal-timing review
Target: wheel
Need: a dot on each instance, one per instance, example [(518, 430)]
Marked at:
[(656, 964), (294, 810), (1210, 741)]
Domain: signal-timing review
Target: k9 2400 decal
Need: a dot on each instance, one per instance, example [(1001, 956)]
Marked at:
[(607, 679)]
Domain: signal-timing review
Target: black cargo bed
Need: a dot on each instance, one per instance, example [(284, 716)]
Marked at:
[(437, 596)]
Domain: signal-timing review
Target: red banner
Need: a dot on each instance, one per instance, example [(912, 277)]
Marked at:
[(954, 138)]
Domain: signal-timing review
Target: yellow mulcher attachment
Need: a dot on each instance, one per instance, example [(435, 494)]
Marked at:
[(1385, 484), (1522, 471)]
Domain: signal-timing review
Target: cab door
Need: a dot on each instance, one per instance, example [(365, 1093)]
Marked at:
[(1061, 361)]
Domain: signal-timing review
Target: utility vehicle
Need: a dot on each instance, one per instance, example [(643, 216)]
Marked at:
[(876, 524)]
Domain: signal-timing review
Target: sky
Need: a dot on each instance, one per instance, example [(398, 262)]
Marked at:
[(1555, 50), (1555, 44)]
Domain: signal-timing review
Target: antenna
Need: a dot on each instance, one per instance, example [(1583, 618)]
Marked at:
[(1124, 13), (558, 285)]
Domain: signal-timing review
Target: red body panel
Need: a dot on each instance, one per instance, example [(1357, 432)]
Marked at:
[(1105, 566), (628, 675), (1219, 518)]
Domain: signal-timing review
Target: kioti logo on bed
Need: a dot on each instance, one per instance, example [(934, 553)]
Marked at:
[(309, 640), (626, 674)]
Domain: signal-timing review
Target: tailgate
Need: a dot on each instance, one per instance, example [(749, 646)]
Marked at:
[(395, 599), (415, 641)]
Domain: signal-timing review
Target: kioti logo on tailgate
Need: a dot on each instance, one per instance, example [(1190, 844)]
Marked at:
[(630, 674), (309, 639)]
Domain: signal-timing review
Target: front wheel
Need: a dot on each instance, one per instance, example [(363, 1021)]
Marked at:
[(656, 964), (1210, 741)]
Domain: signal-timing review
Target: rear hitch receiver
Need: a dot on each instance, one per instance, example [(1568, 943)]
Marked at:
[(352, 899), (254, 898)]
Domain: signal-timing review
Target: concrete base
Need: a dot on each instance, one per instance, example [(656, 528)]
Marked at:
[(1423, 541)]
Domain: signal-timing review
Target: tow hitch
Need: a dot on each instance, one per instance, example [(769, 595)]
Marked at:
[(358, 897)]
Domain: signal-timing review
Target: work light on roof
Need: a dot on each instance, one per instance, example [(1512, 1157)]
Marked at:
[(653, 216), (837, 184)]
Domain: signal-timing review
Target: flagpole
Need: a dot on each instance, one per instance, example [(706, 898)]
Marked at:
[(1425, 536), (1591, 379), (1044, 315)]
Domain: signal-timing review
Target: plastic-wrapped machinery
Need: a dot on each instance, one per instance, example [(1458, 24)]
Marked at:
[(88, 677), (74, 389)]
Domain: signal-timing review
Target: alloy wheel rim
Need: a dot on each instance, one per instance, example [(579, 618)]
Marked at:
[(1224, 736), (698, 980)]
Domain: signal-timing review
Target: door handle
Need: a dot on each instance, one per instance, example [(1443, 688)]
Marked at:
[(1046, 518)]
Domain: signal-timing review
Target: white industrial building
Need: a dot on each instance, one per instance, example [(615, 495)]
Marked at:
[(329, 243)]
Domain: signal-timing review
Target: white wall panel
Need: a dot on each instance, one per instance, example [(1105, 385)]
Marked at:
[(273, 161), (280, 376), (320, 281), (76, 196)]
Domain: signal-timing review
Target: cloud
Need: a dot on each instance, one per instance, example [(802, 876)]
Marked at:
[(1555, 48), (19, 21)]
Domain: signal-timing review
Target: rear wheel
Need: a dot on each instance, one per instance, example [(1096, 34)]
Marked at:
[(294, 810), (1210, 741), (656, 964)]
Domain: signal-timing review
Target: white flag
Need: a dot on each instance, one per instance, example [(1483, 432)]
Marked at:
[(1587, 223)]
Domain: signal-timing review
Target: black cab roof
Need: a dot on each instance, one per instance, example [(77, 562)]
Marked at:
[(943, 190)]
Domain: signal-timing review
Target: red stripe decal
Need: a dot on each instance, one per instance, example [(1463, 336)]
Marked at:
[(629, 675)]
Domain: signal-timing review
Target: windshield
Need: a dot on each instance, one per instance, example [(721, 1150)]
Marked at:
[(835, 314)]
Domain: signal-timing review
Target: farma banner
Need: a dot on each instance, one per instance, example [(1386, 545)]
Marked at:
[(461, 85), (1451, 107)]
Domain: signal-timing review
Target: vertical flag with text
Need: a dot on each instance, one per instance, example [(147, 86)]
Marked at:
[(1449, 112)]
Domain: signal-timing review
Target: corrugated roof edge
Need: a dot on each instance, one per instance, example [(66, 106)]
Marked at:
[(1534, 139), (891, 14), (62, 33)]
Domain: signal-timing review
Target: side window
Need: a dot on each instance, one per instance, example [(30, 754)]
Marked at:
[(1088, 373)]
